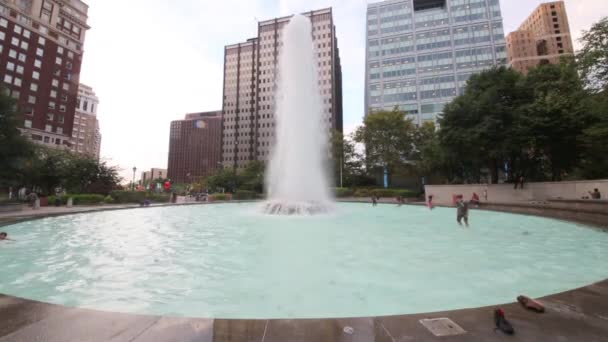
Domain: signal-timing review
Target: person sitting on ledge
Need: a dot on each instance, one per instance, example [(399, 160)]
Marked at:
[(4, 236), (595, 194), (475, 199)]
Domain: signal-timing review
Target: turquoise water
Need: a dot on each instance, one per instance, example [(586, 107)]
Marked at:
[(229, 261)]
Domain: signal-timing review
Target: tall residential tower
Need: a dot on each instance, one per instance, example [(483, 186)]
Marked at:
[(41, 48), (420, 53), (250, 70), (86, 136), (544, 37)]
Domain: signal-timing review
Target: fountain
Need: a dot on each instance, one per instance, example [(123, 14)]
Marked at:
[(296, 178)]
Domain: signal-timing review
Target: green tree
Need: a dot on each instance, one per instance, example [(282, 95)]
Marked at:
[(15, 150), (593, 58), (594, 163), (76, 173), (252, 177), (225, 178), (388, 139), (429, 158), (478, 128), (348, 163), (555, 119)]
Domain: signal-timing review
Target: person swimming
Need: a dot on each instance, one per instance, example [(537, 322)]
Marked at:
[(4, 236)]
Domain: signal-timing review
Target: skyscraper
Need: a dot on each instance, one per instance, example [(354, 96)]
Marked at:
[(194, 147), (420, 53), (250, 70), (41, 48), (544, 37), (86, 136)]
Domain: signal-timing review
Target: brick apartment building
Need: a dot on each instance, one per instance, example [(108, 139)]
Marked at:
[(544, 37), (249, 87), (195, 146), (41, 49)]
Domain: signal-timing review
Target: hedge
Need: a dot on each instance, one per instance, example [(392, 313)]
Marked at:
[(218, 197), (122, 197), (366, 192), (344, 192), (245, 195), (81, 199)]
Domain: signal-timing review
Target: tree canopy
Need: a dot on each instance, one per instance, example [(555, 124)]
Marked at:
[(593, 57)]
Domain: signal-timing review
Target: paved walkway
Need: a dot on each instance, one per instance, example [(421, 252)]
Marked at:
[(579, 315)]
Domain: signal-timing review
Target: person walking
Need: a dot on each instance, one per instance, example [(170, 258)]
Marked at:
[(462, 212)]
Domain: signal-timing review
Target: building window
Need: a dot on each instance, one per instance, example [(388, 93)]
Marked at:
[(31, 99), (24, 45), (60, 118), (19, 69), (64, 98), (18, 29), (49, 116), (53, 94), (8, 79), (27, 124), (33, 87), (60, 50), (21, 57), (41, 41), (58, 60), (38, 63), (12, 53), (62, 108), (55, 83), (17, 82), (15, 41), (48, 128), (59, 130), (36, 75), (10, 66), (2, 35), (39, 52), (51, 105), (66, 86), (3, 22)]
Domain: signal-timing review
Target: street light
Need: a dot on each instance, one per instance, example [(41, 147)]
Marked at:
[(133, 183)]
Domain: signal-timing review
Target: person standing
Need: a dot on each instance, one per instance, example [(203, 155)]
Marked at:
[(429, 203), (462, 212)]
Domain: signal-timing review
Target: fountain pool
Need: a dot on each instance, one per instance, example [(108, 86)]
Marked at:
[(231, 261)]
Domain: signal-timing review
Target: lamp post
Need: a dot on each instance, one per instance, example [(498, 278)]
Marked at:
[(133, 183)]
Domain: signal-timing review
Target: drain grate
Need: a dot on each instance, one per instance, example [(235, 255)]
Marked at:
[(442, 327)]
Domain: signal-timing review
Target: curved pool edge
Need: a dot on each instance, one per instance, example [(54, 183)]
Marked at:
[(576, 315)]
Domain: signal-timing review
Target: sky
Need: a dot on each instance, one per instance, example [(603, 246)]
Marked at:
[(153, 61)]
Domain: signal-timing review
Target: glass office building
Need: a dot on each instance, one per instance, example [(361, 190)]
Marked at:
[(420, 53)]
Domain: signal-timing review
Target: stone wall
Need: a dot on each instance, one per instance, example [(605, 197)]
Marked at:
[(504, 193)]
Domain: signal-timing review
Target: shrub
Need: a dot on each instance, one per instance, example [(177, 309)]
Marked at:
[(343, 192), (218, 197), (87, 199), (108, 200), (80, 199), (363, 193), (245, 195), (138, 197)]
